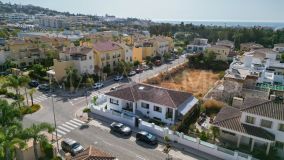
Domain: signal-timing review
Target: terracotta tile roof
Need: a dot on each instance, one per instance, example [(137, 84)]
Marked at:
[(270, 109), (105, 46), (139, 91), (229, 118), (92, 153)]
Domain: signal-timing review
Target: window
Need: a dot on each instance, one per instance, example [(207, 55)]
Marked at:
[(145, 105), (90, 57), (250, 119), (281, 127), (266, 123), (157, 109), (113, 101)]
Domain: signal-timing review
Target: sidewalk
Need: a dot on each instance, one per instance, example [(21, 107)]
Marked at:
[(178, 150)]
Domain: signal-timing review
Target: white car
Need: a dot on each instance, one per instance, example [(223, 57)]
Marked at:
[(98, 85), (118, 78)]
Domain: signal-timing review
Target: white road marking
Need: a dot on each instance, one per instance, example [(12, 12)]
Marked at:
[(64, 129), (71, 124), (74, 122), (140, 157), (67, 126), (61, 132), (78, 121)]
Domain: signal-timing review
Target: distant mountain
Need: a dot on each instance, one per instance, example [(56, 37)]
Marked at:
[(28, 9)]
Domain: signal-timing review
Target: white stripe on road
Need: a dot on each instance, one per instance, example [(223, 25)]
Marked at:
[(67, 126), (64, 129), (61, 132), (74, 122), (71, 124), (78, 121), (58, 135)]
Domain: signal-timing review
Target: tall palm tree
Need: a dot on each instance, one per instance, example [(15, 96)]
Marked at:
[(35, 133), (13, 82), (24, 80), (31, 93), (9, 137), (9, 114)]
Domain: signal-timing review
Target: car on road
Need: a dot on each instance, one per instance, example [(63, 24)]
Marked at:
[(44, 87), (33, 83), (120, 128), (146, 137), (98, 85), (118, 78), (71, 146), (131, 73), (139, 70)]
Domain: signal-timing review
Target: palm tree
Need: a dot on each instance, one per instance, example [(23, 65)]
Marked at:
[(31, 92), (35, 133), (13, 82), (9, 137), (24, 80), (9, 114)]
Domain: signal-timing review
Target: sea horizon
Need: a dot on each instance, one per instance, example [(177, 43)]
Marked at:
[(226, 23)]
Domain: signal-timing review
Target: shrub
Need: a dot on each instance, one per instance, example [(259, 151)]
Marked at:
[(221, 74), (212, 106), (187, 120), (86, 110), (203, 136), (47, 149), (30, 110), (3, 90), (10, 95)]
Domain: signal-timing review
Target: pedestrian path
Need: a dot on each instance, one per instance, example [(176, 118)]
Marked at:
[(39, 99), (68, 127)]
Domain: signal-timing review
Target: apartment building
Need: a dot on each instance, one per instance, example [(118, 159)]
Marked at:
[(80, 58), (222, 52), (107, 53), (256, 123), (153, 102)]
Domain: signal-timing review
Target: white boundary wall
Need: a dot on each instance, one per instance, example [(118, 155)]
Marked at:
[(177, 137)]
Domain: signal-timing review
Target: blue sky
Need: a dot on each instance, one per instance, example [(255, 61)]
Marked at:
[(214, 10)]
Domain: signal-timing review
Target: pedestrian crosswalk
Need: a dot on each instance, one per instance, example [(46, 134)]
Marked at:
[(39, 99), (68, 127)]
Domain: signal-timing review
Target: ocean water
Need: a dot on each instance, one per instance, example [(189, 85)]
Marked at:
[(274, 25)]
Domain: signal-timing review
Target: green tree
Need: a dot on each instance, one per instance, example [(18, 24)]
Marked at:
[(38, 70), (72, 77), (136, 63), (31, 93), (209, 56), (215, 132), (9, 137), (35, 133), (107, 69)]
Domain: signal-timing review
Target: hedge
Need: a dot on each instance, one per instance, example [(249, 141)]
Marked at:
[(31, 109)]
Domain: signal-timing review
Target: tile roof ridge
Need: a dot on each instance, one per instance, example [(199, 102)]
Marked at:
[(253, 106), (233, 117), (171, 99)]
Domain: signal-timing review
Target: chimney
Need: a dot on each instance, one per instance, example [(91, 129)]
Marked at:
[(237, 102)]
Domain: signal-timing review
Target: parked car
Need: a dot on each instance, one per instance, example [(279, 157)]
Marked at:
[(139, 70), (131, 73), (118, 78), (71, 146), (120, 128), (146, 137), (98, 85), (33, 83), (44, 87)]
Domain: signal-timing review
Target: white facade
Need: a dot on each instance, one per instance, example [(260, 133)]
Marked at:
[(279, 47), (274, 129), (199, 45)]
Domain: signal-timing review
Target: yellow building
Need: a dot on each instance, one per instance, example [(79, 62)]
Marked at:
[(137, 54), (60, 68), (222, 52), (107, 53)]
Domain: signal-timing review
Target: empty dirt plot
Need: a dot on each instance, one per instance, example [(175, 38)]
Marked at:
[(194, 81)]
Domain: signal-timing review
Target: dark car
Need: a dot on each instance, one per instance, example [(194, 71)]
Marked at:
[(120, 128), (71, 146), (146, 137), (139, 70), (118, 78), (33, 83), (44, 87)]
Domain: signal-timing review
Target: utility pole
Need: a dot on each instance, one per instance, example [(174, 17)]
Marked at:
[(54, 117)]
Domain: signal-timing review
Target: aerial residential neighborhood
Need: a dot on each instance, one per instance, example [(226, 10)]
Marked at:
[(89, 81)]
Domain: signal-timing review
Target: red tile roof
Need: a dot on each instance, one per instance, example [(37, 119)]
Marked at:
[(105, 46)]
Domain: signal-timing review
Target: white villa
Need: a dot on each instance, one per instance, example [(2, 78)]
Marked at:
[(199, 45), (147, 101), (262, 63), (256, 123)]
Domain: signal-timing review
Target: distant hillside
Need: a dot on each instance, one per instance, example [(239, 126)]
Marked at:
[(28, 9)]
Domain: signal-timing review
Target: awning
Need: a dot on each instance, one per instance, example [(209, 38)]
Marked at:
[(188, 106)]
